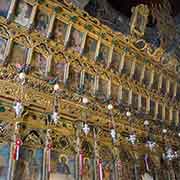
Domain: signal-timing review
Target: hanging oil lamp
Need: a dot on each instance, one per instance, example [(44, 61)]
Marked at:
[(85, 128), (112, 124)]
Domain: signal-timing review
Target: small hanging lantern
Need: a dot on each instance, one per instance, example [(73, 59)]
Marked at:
[(151, 144), (85, 100), (128, 114), (19, 108), (17, 149), (113, 135), (22, 78), (86, 129), (146, 162), (55, 117), (132, 138), (56, 87), (170, 154)]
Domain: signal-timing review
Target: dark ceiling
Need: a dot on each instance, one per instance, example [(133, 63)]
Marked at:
[(124, 6)]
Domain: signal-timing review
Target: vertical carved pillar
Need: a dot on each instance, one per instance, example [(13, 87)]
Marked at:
[(82, 76), (151, 79), (29, 55), (167, 86), (49, 64), (142, 73), (96, 154), (67, 36), (83, 42), (33, 15), (109, 89), (97, 49), (66, 72), (13, 144), (110, 55), (177, 118), (170, 114), (122, 62), (51, 25), (139, 102), (11, 162), (175, 90), (8, 48), (156, 110), (96, 84), (148, 104), (164, 112), (78, 131), (120, 93), (130, 97), (11, 9), (160, 82), (133, 69)]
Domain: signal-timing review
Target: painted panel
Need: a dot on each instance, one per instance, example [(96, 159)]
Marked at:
[(75, 40), (19, 54), (3, 43), (103, 54), (63, 167), (39, 63), (4, 161), (42, 22), (4, 7), (23, 13), (90, 48), (59, 31), (30, 164), (115, 62)]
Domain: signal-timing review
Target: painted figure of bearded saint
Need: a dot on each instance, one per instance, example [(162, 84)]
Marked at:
[(63, 172)]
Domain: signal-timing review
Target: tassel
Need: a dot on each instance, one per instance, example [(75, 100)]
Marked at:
[(100, 170), (146, 162), (49, 146), (81, 158), (17, 149)]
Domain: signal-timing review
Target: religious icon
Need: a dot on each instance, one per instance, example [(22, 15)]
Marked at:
[(19, 54), (115, 62), (58, 70), (103, 89), (107, 170), (59, 31), (75, 40), (63, 168), (127, 67), (115, 92), (4, 7), (87, 169), (42, 22), (30, 164), (40, 63), (90, 48), (23, 13), (4, 161), (103, 54), (89, 83), (74, 79), (3, 43)]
